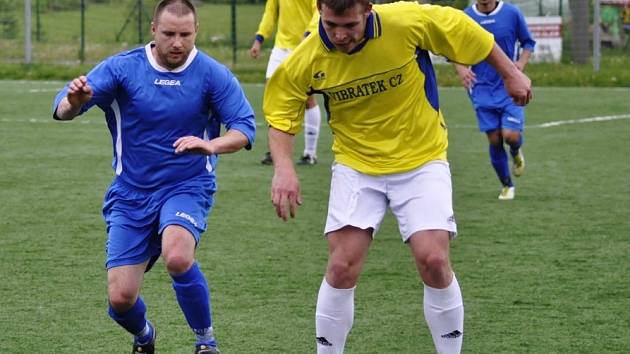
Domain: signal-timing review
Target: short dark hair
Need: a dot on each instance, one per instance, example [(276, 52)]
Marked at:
[(176, 7), (340, 6)]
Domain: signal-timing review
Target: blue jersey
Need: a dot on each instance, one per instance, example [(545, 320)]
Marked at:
[(148, 107), (510, 31)]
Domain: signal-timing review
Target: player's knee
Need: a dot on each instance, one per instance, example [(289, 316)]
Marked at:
[(177, 263), (343, 273), (434, 261), (512, 139), (122, 300)]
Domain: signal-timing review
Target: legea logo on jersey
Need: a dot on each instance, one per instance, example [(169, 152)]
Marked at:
[(187, 217), (487, 22), (319, 76), (164, 82)]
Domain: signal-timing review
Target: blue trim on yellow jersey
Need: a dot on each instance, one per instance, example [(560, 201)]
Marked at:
[(372, 30), (430, 82), (324, 37)]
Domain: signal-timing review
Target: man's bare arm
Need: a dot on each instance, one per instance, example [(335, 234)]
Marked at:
[(79, 93)]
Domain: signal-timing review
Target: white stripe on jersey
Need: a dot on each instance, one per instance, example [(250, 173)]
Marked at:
[(117, 114), (208, 164)]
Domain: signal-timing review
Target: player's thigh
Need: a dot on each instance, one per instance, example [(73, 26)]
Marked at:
[(189, 210), (132, 236), (488, 119), (422, 199), (277, 56), (513, 117), (356, 199), (349, 244)]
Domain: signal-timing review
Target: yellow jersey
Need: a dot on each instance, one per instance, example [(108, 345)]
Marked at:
[(381, 99), (292, 19)]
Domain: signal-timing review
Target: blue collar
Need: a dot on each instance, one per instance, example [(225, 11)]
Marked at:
[(372, 30)]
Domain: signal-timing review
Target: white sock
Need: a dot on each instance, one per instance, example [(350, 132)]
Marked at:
[(333, 318), (312, 121), (444, 313)]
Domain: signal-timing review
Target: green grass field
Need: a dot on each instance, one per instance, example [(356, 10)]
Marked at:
[(545, 273)]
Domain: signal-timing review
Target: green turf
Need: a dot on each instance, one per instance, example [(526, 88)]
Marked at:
[(545, 273)]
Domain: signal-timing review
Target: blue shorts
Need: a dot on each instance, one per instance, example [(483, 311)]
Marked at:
[(506, 116), (136, 219)]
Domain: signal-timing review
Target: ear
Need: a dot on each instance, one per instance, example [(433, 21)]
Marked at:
[(368, 8), (153, 28)]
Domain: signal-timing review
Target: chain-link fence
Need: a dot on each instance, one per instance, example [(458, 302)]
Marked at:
[(71, 31)]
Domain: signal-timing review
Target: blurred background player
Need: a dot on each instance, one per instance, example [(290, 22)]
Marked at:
[(497, 114), (164, 104), (390, 143), (294, 19)]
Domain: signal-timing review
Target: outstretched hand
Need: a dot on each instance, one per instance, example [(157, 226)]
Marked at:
[(79, 92)]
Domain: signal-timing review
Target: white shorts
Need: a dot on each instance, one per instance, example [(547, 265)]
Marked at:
[(420, 199), (276, 58)]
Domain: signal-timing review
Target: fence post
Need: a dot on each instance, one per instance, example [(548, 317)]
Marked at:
[(140, 7), (596, 36), (28, 48), (38, 23), (233, 8), (82, 48)]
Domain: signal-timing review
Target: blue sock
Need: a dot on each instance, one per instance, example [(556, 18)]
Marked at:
[(499, 160), (134, 321), (514, 148), (193, 296)]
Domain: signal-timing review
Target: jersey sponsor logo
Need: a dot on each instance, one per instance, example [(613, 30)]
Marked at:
[(487, 22), (319, 76), (187, 217), (164, 82), (367, 88)]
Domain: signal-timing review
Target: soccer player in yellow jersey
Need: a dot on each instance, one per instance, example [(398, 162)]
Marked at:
[(293, 19), (371, 64)]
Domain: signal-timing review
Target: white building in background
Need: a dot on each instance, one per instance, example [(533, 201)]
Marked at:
[(547, 32)]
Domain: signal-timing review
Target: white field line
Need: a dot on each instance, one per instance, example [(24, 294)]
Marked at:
[(580, 121)]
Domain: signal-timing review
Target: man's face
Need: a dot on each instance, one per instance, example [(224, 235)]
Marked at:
[(174, 38), (486, 3), (345, 31)]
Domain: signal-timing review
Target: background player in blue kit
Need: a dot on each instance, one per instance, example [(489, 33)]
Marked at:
[(498, 116), (164, 104)]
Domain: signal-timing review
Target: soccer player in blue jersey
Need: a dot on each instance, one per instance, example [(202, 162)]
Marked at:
[(292, 20), (372, 65), (164, 104), (498, 116)]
